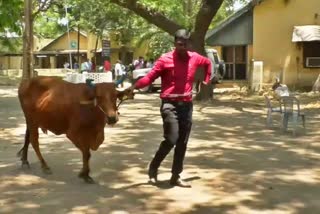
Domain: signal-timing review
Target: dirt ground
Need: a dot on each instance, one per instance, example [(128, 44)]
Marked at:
[(234, 163)]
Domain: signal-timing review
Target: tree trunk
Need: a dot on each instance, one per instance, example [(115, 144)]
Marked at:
[(78, 47), (27, 72), (95, 52)]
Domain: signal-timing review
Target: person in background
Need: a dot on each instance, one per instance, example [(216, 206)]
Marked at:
[(150, 63), (107, 65), (66, 65), (86, 66), (138, 63), (75, 64), (89, 65), (177, 69), (280, 90), (119, 71), (93, 64)]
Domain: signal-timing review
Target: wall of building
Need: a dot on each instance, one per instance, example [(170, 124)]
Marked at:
[(63, 42), (92, 42), (10, 62), (272, 34), (87, 43)]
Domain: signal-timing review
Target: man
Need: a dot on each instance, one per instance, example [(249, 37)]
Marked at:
[(176, 69), (138, 63), (107, 65), (86, 66), (119, 73)]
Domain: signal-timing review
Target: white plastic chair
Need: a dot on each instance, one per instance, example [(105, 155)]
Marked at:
[(291, 111), (270, 110)]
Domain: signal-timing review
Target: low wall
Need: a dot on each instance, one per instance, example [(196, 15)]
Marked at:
[(41, 72), (13, 76)]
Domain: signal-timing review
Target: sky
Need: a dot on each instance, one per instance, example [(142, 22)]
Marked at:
[(238, 5)]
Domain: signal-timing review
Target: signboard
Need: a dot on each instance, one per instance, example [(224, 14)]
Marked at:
[(105, 48)]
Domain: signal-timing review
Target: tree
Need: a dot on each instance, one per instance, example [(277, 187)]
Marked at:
[(29, 17)]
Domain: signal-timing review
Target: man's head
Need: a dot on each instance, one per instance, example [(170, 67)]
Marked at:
[(181, 39)]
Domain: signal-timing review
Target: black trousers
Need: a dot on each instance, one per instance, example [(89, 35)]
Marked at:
[(177, 122)]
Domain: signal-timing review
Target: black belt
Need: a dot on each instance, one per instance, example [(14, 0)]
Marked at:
[(178, 103)]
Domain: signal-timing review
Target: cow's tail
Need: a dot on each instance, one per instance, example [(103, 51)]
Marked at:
[(23, 88)]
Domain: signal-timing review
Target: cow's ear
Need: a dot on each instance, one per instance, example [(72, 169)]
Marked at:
[(88, 94), (125, 95)]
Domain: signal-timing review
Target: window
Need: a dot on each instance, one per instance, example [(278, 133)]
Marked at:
[(311, 54), (235, 58)]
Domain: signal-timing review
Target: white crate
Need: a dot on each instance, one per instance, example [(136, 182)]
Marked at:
[(99, 77), (81, 78)]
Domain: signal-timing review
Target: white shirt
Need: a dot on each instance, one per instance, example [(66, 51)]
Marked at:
[(118, 69)]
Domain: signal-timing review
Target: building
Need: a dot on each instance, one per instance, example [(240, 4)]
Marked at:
[(268, 39), (54, 53)]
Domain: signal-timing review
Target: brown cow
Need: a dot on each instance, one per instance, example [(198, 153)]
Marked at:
[(77, 110)]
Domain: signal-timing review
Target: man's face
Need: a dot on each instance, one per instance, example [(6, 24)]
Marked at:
[(181, 45)]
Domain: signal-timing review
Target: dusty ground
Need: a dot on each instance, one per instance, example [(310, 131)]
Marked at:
[(234, 163)]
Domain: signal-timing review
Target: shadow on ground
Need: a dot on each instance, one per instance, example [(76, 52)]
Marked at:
[(234, 163)]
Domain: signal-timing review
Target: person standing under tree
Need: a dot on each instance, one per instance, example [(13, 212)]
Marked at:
[(177, 70)]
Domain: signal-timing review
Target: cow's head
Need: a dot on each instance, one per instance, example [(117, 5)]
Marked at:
[(107, 97)]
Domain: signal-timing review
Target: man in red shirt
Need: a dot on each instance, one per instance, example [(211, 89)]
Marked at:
[(107, 65), (177, 70)]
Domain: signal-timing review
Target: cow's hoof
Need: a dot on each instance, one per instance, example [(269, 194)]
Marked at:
[(19, 154), (25, 164), (86, 178), (46, 170), (89, 180)]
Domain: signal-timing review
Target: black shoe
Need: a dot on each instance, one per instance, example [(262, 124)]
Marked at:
[(178, 182), (153, 175)]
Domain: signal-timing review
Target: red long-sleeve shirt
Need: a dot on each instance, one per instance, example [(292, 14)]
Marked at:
[(177, 75)]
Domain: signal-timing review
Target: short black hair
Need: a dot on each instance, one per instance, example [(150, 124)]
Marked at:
[(182, 34)]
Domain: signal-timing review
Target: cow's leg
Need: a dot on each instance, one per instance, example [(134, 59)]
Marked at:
[(23, 153), (85, 169), (34, 138)]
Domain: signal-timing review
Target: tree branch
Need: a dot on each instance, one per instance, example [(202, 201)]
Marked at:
[(43, 6), (150, 15), (205, 15)]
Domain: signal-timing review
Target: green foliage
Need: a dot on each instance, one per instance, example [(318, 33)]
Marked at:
[(226, 9), (46, 25), (12, 45), (182, 12), (10, 16), (159, 43)]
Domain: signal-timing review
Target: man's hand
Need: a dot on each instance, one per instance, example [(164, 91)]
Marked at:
[(205, 83), (126, 94), (130, 91), (131, 88)]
